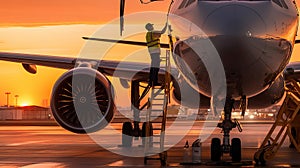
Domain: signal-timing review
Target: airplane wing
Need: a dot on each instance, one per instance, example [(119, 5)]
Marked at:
[(124, 70), (127, 42)]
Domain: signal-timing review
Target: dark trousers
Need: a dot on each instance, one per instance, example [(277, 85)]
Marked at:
[(155, 64)]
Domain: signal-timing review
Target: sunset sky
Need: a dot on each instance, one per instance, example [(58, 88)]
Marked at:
[(51, 27), (54, 27)]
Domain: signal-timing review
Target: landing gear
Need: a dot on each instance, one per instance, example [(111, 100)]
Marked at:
[(147, 131), (127, 132), (234, 149)]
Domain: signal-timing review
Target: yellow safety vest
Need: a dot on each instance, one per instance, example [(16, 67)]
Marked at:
[(153, 42)]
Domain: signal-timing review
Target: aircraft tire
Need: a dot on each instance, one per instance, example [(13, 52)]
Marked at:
[(127, 134), (236, 150), (215, 150)]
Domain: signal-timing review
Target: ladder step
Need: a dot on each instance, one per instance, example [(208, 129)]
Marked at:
[(292, 109), (153, 152), (155, 118), (156, 128), (152, 158), (154, 110), (157, 104), (158, 96), (156, 122), (159, 101)]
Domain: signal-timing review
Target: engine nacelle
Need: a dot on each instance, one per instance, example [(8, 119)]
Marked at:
[(187, 96), (269, 97), (82, 100)]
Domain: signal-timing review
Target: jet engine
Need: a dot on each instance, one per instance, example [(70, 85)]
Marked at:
[(82, 100), (187, 96), (271, 96)]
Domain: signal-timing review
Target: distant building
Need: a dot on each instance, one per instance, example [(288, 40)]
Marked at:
[(25, 113)]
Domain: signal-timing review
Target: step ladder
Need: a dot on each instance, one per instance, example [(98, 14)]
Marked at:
[(283, 123), (156, 117)]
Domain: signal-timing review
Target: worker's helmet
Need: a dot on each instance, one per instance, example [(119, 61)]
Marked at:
[(149, 26)]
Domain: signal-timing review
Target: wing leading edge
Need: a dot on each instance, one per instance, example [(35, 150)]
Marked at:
[(124, 70)]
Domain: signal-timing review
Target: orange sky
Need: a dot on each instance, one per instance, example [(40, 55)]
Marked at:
[(53, 27), (50, 27), (41, 12)]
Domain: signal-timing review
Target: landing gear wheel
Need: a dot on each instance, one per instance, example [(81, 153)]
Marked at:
[(236, 151), (127, 134), (215, 150), (144, 129), (163, 158)]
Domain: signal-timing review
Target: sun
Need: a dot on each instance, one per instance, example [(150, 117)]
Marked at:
[(24, 104)]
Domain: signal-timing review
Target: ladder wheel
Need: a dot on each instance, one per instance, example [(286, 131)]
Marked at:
[(215, 150), (262, 160), (144, 129), (259, 157), (236, 151), (127, 134), (163, 162)]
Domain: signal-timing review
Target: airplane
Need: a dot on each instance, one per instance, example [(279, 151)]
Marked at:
[(254, 40)]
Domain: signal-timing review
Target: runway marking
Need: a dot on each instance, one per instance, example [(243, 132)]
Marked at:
[(24, 143), (117, 163), (45, 165), (120, 163)]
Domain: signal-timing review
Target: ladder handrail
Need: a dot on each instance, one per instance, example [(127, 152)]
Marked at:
[(285, 117), (164, 91)]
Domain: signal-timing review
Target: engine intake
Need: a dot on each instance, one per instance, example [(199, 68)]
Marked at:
[(82, 100)]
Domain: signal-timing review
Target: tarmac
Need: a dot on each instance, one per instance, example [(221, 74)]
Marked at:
[(52, 146)]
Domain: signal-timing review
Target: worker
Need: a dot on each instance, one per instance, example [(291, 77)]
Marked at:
[(153, 43)]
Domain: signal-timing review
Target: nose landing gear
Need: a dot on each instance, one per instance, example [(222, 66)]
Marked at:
[(234, 149)]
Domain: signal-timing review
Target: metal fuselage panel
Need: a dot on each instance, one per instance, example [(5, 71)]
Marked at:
[(253, 39)]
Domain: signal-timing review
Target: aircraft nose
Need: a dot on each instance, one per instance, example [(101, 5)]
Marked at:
[(239, 35), (234, 20)]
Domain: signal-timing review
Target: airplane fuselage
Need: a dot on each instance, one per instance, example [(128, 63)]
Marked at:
[(253, 41)]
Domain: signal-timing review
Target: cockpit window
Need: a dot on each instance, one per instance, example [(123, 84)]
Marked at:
[(284, 4), (182, 4), (190, 2), (214, 0), (255, 0), (281, 3), (277, 2)]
